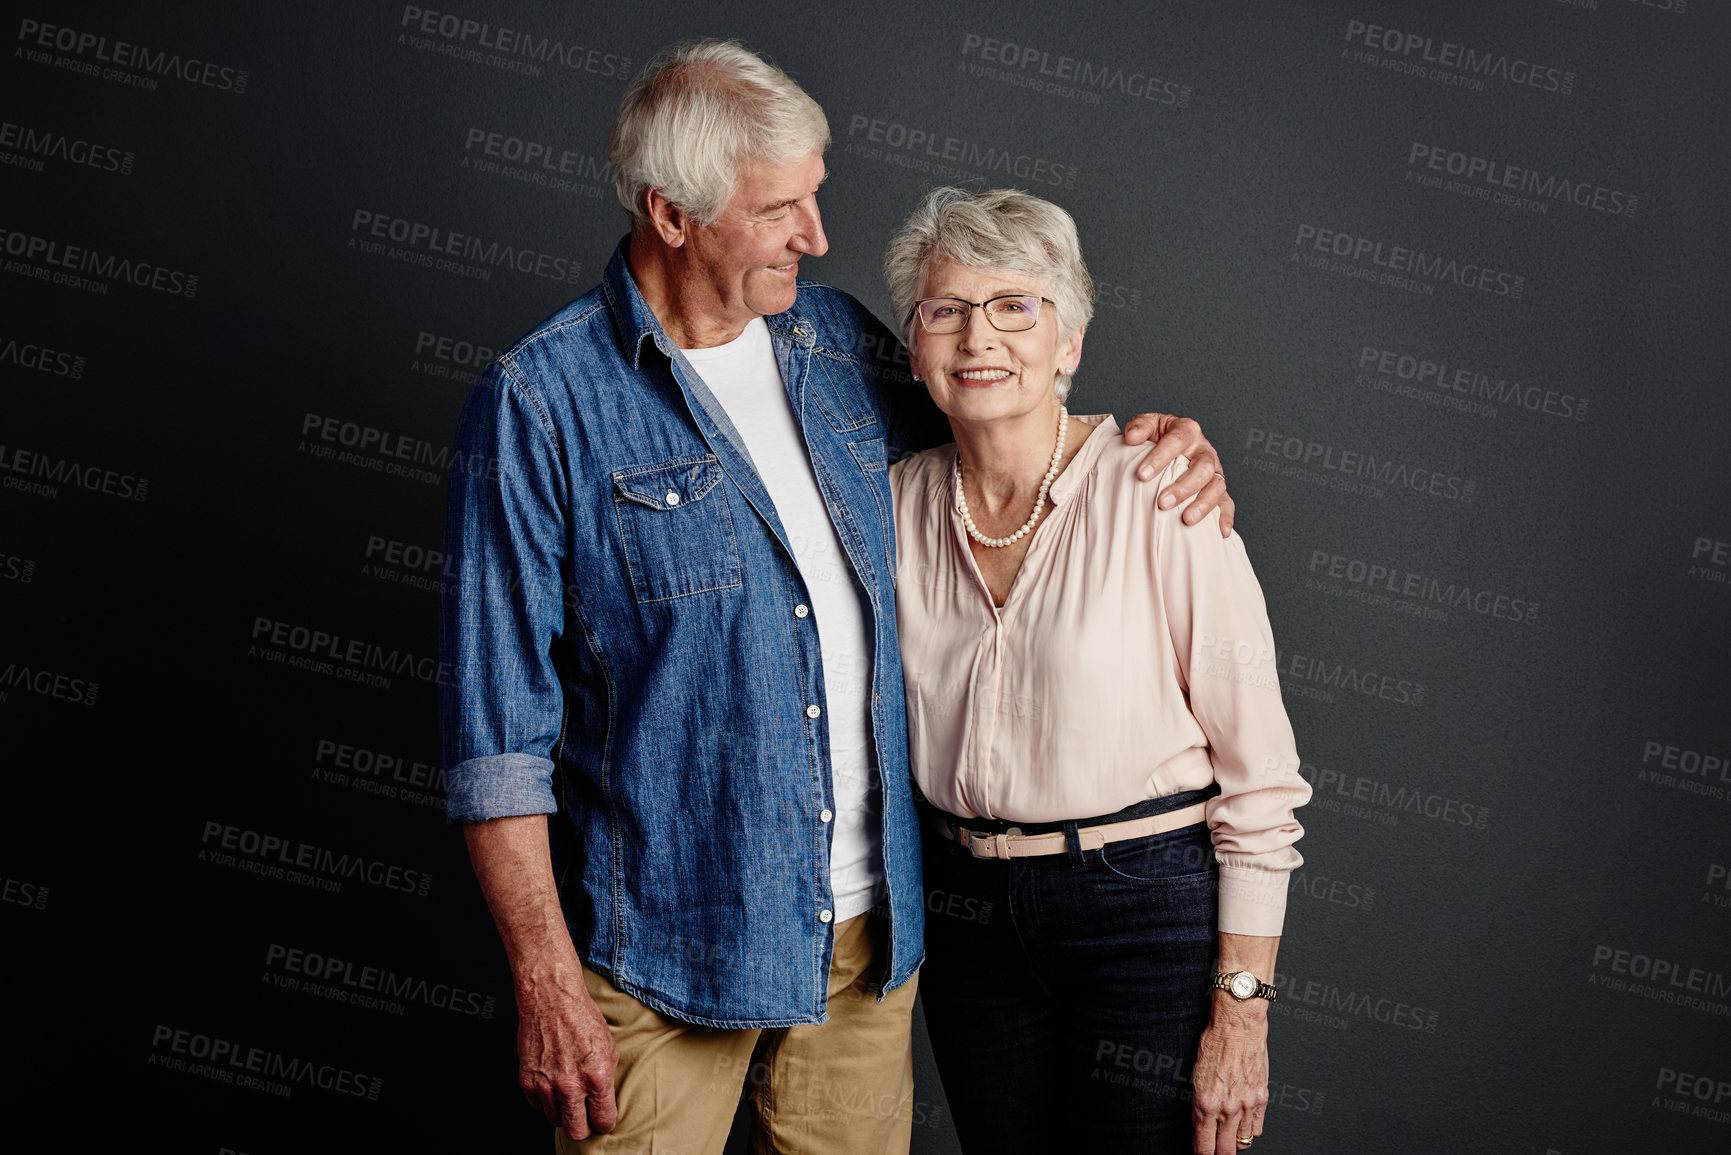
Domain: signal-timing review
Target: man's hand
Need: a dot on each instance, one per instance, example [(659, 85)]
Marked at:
[(565, 1054), (1180, 435)]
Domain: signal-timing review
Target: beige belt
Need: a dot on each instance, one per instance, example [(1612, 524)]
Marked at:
[(1016, 845)]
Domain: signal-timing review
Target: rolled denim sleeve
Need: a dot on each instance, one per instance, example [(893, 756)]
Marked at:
[(502, 608)]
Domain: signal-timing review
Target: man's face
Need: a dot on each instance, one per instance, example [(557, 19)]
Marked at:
[(749, 257)]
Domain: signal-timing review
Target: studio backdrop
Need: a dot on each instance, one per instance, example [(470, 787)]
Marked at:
[(1446, 283)]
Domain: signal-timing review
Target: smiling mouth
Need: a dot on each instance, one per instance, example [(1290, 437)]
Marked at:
[(982, 376)]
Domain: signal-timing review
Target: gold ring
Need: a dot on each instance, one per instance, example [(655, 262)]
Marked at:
[(1220, 475), (1246, 1140)]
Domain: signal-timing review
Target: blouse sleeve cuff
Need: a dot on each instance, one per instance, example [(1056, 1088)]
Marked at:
[(1252, 901)]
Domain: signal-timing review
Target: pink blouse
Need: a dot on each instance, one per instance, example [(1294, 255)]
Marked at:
[(1132, 659)]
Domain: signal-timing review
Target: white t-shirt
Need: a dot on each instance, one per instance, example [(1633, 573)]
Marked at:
[(745, 378)]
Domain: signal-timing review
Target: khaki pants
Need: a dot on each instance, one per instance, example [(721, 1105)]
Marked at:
[(843, 1086)]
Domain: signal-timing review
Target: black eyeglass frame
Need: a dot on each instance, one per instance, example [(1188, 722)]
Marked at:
[(981, 305)]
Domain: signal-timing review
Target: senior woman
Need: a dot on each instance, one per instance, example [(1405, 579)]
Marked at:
[(1094, 720)]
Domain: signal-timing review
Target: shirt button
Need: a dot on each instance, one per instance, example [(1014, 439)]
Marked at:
[(812, 711), (672, 498), (824, 916), (801, 611), (825, 814)]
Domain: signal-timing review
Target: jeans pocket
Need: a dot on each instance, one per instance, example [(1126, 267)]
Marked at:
[(676, 525), (1175, 856)]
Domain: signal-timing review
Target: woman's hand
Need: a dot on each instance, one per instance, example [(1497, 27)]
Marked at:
[(1230, 1082)]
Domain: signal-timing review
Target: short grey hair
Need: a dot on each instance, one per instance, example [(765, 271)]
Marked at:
[(1000, 228), (695, 114)]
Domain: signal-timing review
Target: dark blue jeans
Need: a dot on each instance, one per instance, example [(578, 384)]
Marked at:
[(1065, 995)]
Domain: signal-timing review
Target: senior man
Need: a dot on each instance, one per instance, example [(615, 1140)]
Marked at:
[(674, 625)]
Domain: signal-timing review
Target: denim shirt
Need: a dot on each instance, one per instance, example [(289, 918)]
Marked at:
[(630, 648)]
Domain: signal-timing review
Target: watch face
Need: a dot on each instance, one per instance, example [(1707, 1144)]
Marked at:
[(1243, 984)]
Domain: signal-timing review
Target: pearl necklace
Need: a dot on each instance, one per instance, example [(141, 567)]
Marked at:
[(1039, 502)]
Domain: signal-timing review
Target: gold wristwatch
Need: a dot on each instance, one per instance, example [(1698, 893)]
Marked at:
[(1243, 985)]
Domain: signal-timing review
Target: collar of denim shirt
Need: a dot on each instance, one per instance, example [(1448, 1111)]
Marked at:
[(636, 322)]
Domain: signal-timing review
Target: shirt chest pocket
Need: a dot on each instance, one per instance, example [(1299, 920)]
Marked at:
[(677, 528)]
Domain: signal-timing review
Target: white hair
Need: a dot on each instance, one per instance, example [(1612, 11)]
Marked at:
[(1000, 228), (695, 114)]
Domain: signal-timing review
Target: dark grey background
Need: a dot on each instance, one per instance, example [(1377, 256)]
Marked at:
[(1452, 985)]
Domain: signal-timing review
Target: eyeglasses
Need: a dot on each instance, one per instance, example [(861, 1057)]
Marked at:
[(1011, 313)]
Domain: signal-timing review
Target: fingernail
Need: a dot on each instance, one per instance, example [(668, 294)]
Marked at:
[(1166, 500)]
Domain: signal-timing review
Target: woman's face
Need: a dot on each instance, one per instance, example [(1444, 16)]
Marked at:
[(981, 374)]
